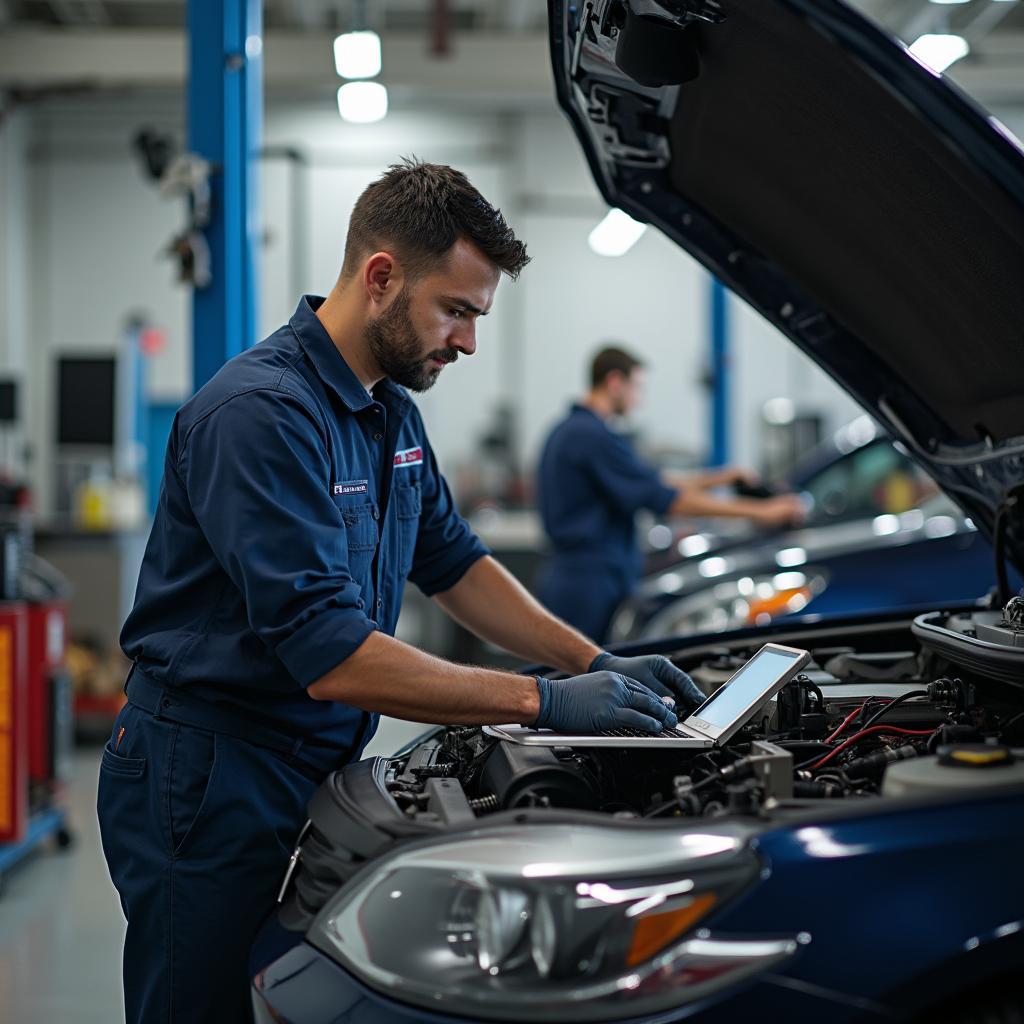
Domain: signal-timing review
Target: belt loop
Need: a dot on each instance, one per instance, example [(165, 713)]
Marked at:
[(161, 703), (128, 678)]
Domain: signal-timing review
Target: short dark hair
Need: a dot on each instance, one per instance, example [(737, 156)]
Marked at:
[(422, 210), (610, 359)]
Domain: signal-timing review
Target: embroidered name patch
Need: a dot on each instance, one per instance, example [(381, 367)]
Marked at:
[(350, 487), (409, 457)]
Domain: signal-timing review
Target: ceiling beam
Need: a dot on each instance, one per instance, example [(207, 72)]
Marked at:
[(80, 12), (487, 65), (307, 14)]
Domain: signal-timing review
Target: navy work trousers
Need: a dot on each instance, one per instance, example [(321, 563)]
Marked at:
[(197, 829), (584, 595)]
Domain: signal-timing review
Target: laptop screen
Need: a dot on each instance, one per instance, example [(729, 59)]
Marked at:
[(743, 689)]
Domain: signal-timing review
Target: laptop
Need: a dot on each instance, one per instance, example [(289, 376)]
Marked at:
[(713, 723)]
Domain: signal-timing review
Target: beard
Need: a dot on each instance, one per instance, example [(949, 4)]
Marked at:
[(398, 349)]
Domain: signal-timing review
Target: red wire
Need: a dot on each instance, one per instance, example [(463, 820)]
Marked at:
[(892, 730), (851, 716)]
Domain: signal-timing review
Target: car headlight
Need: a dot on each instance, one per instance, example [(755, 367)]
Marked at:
[(550, 922), (733, 604)]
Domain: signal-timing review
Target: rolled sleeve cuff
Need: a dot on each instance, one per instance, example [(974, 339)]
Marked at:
[(324, 642), (661, 499), (444, 576)]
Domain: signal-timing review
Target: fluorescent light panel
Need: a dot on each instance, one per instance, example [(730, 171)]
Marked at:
[(616, 234), (362, 102), (357, 55)]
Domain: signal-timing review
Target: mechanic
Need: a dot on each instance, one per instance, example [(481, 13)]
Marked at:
[(591, 483), (299, 493)]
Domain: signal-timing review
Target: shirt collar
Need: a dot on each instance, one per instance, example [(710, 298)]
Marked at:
[(586, 410), (330, 365)]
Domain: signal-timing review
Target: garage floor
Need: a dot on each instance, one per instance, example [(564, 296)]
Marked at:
[(61, 929)]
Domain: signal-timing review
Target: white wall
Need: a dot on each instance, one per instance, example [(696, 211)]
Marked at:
[(14, 274), (97, 232)]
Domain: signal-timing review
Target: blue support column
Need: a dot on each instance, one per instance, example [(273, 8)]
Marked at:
[(225, 109), (719, 373)]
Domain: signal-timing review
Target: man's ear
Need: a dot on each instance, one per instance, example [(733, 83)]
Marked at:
[(382, 277)]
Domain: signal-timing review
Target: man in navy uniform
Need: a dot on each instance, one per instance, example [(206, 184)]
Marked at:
[(299, 494), (591, 483)]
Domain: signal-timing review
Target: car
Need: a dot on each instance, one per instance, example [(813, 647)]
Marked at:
[(878, 534), (853, 852)]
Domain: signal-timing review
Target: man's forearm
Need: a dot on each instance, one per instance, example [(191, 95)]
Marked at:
[(700, 503), (491, 603), (703, 480), (389, 677)]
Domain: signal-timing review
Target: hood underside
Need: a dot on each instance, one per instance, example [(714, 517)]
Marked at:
[(859, 202)]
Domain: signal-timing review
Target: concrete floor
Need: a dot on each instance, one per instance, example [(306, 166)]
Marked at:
[(61, 928)]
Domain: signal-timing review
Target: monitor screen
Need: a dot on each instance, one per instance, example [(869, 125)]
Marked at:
[(85, 401), (754, 679), (8, 401)]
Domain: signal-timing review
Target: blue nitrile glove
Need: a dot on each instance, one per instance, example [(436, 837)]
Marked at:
[(656, 672), (599, 701)]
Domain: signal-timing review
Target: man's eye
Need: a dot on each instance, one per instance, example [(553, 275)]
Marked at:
[(457, 313)]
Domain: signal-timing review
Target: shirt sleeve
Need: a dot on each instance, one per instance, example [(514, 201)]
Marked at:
[(257, 473), (626, 481), (445, 545)]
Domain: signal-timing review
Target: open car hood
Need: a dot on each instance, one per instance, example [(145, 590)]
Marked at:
[(856, 199)]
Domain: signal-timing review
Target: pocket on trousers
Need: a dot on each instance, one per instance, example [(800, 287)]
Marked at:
[(114, 763), (190, 767)]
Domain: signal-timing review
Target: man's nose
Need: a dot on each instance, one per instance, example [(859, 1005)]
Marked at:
[(465, 340)]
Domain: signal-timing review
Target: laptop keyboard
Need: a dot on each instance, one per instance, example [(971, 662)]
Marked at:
[(673, 733)]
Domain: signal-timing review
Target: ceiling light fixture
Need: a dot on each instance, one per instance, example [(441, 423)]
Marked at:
[(939, 50), (357, 55), (616, 234), (362, 102)]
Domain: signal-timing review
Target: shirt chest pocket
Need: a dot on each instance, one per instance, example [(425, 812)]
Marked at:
[(408, 505), (359, 519)]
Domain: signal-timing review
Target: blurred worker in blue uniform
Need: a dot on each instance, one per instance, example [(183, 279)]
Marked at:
[(591, 483), (299, 493)]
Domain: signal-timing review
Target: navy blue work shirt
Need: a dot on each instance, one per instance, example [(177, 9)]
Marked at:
[(293, 508), (591, 483)]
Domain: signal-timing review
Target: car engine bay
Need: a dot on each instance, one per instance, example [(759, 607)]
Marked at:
[(930, 709)]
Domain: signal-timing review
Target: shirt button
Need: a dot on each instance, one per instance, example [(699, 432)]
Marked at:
[(376, 514), (377, 437), (380, 603)]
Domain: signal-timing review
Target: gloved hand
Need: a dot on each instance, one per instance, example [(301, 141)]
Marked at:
[(599, 701), (657, 673)]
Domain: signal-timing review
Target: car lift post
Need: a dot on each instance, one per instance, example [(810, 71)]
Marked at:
[(719, 374), (225, 109)]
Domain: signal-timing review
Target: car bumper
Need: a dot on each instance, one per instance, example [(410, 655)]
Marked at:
[(303, 986)]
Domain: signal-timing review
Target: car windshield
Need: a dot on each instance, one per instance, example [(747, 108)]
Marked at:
[(877, 479)]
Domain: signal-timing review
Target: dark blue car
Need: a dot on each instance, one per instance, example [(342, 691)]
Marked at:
[(853, 852)]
